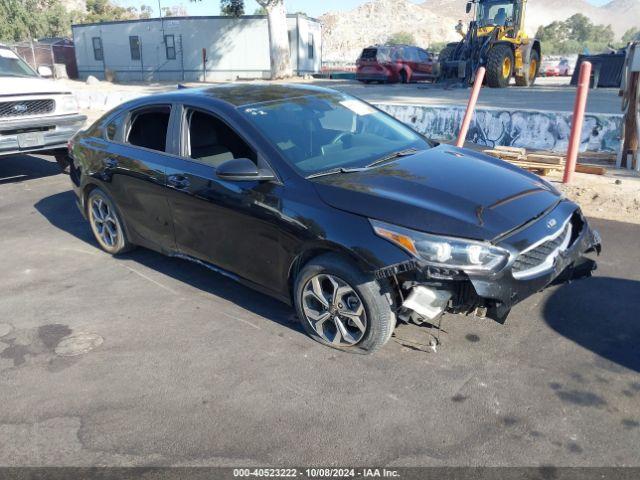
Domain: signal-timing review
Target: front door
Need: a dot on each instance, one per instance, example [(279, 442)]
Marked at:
[(231, 224)]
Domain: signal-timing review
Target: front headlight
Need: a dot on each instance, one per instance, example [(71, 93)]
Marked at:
[(68, 104), (445, 252)]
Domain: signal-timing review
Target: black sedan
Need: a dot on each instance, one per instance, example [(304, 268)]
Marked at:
[(324, 202)]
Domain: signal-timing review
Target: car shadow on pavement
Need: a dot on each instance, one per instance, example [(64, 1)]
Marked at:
[(61, 211), (601, 314), (19, 168)]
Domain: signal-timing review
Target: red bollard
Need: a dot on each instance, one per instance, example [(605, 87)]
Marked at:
[(464, 128), (576, 122)]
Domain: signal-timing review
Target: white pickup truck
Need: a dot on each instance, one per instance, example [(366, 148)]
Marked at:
[(36, 114)]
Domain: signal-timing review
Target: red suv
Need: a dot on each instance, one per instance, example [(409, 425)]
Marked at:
[(395, 63)]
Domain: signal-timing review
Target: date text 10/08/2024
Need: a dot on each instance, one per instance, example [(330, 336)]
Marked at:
[(316, 472)]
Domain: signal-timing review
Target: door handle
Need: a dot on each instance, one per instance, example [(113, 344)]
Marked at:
[(178, 181), (110, 163)]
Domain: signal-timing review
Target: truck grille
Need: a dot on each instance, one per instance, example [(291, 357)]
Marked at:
[(26, 108), (540, 257)]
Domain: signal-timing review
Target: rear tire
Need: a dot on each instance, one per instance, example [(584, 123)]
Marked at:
[(340, 306), (106, 225), (443, 57), (532, 74), (499, 66)]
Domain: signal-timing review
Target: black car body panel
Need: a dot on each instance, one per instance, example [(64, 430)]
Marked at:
[(262, 232), (445, 191)]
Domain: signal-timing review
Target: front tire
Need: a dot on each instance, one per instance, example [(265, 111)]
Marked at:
[(499, 66), (106, 225), (342, 307)]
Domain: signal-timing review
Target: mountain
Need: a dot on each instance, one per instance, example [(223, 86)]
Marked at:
[(345, 33), (74, 5)]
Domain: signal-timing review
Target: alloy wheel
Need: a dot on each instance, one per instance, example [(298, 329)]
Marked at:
[(104, 222), (334, 310)]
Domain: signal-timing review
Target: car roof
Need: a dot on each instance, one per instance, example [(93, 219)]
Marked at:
[(240, 95)]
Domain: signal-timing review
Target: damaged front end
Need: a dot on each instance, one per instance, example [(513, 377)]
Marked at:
[(510, 268)]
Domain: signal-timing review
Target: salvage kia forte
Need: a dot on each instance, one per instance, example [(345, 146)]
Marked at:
[(322, 201)]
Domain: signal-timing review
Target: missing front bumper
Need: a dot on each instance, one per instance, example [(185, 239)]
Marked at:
[(492, 296)]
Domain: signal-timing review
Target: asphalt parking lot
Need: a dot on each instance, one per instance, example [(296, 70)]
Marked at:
[(552, 94), (182, 366)]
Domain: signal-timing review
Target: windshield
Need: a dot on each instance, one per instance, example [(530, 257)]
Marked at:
[(319, 133), (495, 12), (13, 66)]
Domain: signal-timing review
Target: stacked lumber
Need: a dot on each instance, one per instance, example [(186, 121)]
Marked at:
[(542, 164)]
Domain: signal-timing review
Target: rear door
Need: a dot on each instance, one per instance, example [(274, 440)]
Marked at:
[(135, 166), (231, 224), (424, 64)]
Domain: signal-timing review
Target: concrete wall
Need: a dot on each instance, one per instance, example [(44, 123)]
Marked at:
[(532, 129), (235, 48)]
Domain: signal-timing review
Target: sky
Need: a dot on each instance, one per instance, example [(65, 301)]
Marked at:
[(314, 8)]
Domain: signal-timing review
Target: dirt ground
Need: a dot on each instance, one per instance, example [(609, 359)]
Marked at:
[(614, 196)]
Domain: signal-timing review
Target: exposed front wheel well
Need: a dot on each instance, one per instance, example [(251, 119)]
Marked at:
[(85, 194), (312, 253)]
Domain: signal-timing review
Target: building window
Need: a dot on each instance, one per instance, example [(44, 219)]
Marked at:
[(134, 46), (170, 44), (98, 54), (311, 46)]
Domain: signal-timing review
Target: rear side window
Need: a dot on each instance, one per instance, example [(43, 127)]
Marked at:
[(113, 130), (148, 128), (369, 54)]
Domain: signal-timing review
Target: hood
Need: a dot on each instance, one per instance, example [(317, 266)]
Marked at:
[(28, 85), (444, 190)]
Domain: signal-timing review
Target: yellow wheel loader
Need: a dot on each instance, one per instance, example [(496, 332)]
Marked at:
[(496, 40)]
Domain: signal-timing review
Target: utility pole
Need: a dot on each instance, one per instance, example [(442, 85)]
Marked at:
[(629, 154)]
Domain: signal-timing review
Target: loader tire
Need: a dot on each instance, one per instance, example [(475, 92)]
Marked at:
[(532, 74), (499, 66), (443, 57)]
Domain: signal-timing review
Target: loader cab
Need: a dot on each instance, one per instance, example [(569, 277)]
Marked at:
[(503, 14)]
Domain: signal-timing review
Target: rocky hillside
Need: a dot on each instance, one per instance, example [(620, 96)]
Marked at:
[(74, 5), (346, 33)]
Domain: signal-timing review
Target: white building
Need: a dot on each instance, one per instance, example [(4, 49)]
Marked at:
[(173, 48)]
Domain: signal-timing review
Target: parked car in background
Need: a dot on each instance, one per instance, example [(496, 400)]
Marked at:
[(564, 68), (36, 114), (557, 68), (324, 202), (395, 63)]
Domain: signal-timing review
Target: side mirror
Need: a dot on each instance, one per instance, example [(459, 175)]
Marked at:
[(243, 169), (45, 71), (468, 7)]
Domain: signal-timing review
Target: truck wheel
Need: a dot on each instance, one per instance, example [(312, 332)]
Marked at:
[(340, 306), (106, 224), (532, 74), (499, 66)]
